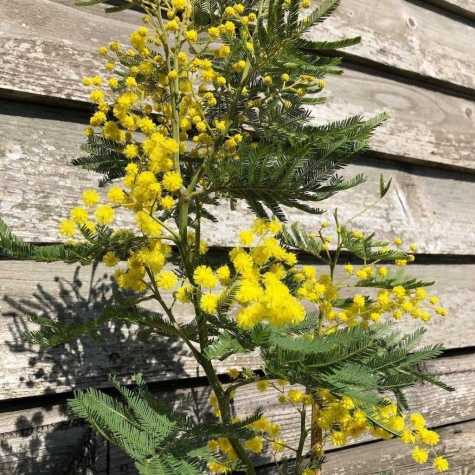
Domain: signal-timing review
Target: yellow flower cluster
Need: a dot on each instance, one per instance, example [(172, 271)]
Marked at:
[(341, 420), (262, 294), (265, 431), (156, 108), (397, 301)]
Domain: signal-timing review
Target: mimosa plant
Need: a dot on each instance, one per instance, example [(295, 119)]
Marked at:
[(213, 102)]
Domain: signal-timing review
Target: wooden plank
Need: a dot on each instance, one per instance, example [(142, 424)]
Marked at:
[(440, 133), (425, 127), (65, 293), (391, 457), (457, 406), (132, 15), (46, 451), (18, 428), (422, 206), (407, 36), (61, 292)]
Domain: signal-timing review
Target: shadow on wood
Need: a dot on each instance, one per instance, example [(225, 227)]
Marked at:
[(37, 442)]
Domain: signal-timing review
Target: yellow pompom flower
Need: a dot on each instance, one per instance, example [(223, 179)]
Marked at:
[(359, 301), (295, 396), (148, 225), (167, 202), (204, 277), (166, 280), (172, 181), (90, 197), (110, 259), (213, 32), (104, 214), (254, 445), (97, 118), (224, 274), (209, 303), (239, 66), (97, 96), (116, 195), (429, 437), (131, 151), (79, 215), (267, 80), (420, 455), (173, 25), (130, 82), (418, 421), (408, 437), (67, 228), (217, 467), (179, 4), (229, 27), (338, 438), (441, 464), (191, 36), (246, 238)]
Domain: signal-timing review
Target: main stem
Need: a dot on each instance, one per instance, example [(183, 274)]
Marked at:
[(205, 363), (316, 437)]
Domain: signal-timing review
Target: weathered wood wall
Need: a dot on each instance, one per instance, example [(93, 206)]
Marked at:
[(416, 62)]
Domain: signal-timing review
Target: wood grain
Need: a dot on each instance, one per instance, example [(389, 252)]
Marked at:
[(48, 64), (392, 458), (55, 439), (425, 127), (407, 36), (65, 293), (404, 35), (458, 406), (39, 186)]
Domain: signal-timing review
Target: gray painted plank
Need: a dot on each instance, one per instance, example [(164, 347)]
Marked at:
[(39, 186), (396, 33), (46, 426), (393, 458), (37, 58), (407, 36), (65, 292), (57, 290)]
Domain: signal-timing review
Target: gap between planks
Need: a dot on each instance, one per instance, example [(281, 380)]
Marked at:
[(29, 60), (424, 205), (19, 426), (64, 293)]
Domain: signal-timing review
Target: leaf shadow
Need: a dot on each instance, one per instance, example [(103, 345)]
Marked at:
[(42, 439)]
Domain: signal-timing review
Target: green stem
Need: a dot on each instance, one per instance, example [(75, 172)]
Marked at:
[(225, 410), (303, 437)]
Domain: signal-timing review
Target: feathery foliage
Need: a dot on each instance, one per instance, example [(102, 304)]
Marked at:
[(212, 101)]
